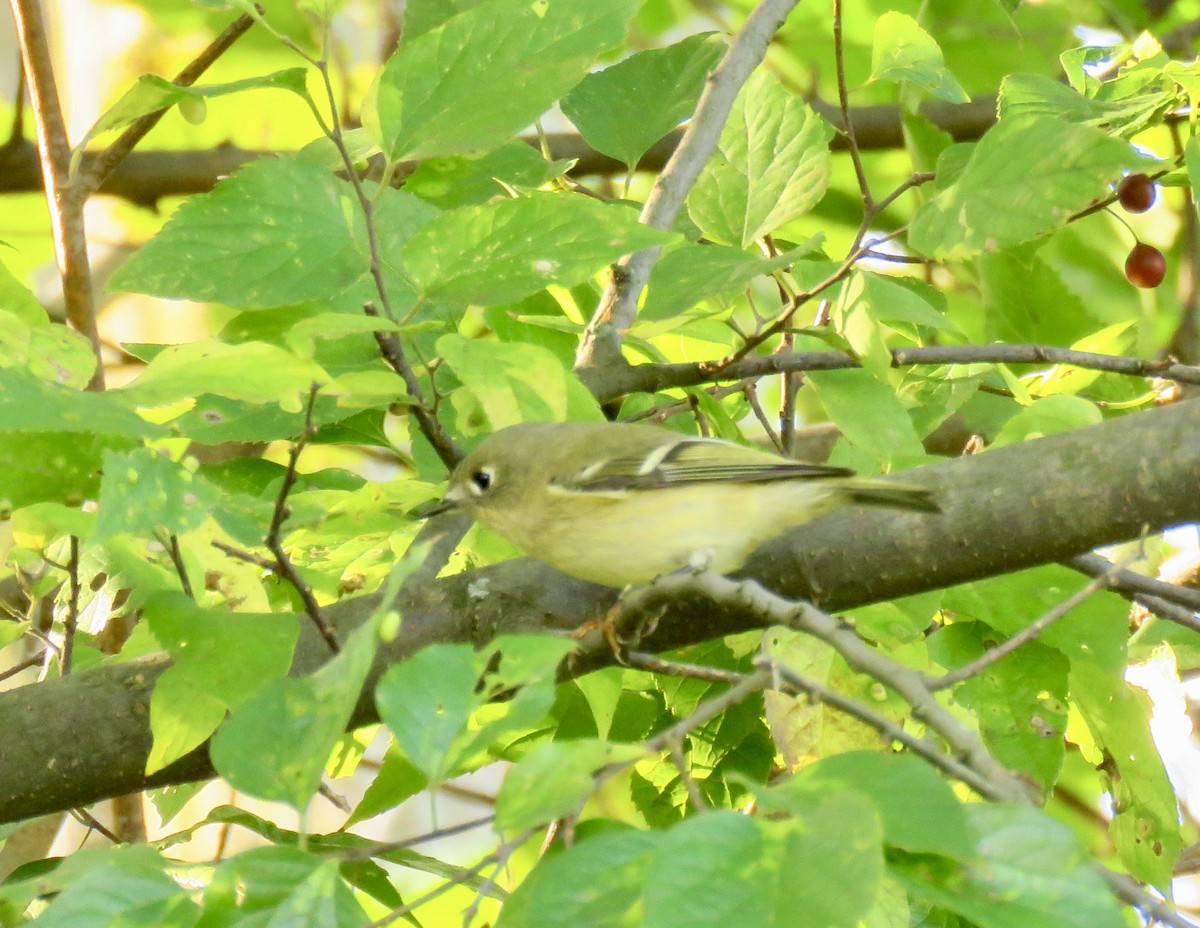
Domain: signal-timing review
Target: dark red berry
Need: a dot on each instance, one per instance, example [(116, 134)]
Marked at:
[(1136, 193), (1145, 266)]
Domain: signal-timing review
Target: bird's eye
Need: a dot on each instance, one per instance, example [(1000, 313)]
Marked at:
[(482, 479)]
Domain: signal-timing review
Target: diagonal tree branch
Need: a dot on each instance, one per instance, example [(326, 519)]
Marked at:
[(600, 346)]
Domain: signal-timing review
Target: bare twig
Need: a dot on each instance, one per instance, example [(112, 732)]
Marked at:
[(1169, 601), (283, 564), (600, 346), (1029, 633), (66, 215), (88, 181), (248, 556), (651, 378), (180, 568), (385, 847), (839, 57), (71, 620), (25, 664)]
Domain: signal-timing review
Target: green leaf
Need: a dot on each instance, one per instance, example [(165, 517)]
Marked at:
[(843, 876), (280, 886), (624, 109), (117, 886), (551, 782), (395, 781), (52, 466), (18, 300), (919, 810), (465, 181), (515, 382), (691, 273), (45, 350), (218, 659), (1145, 825), (1025, 177), (152, 93), (868, 413), (905, 52), (479, 77), (716, 869), (421, 16), (1020, 700), (1032, 873), (503, 251), (143, 492), (597, 883), (276, 743), (277, 231), (772, 164), (430, 700), (1046, 416), (252, 371), (34, 405)]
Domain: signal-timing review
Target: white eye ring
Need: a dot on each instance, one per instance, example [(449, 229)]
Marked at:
[(481, 480)]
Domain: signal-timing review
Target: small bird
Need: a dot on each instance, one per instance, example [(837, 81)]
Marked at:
[(621, 503)]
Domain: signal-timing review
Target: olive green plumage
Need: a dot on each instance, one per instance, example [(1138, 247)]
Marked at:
[(622, 503)]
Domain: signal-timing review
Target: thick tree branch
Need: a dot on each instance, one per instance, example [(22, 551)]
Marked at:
[(76, 740)]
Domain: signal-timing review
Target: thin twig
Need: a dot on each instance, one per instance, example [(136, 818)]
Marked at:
[(180, 568), (695, 797), (242, 555), (788, 681), (89, 821), (283, 564), (386, 847), (1030, 632), (89, 181), (652, 378), (965, 744), (25, 664), (600, 346), (504, 851), (71, 620), (1127, 580), (839, 58)]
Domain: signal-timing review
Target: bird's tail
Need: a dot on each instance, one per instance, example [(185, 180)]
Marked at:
[(891, 495)]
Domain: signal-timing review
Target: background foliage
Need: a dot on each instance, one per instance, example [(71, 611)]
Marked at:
[(413, 267)]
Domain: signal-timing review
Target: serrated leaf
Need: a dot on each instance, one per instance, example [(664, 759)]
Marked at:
[(903, 51), (503, 251), (1025, 177), (469, 84), (277, 231), (624, 109), (772, 164), (463, 180)]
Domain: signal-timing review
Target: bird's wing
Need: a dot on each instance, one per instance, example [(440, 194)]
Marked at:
[(687, 462)]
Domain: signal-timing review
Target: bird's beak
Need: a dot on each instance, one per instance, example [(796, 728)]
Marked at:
[(449, 503)]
